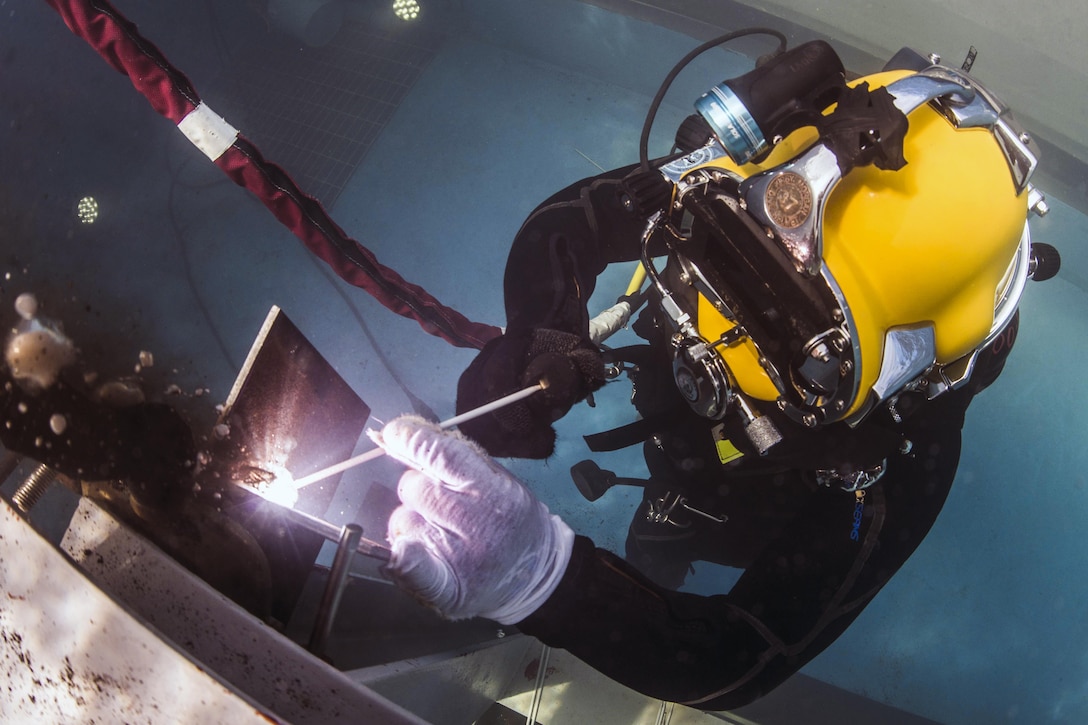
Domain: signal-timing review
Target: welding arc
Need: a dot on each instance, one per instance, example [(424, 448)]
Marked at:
[(452, 422)]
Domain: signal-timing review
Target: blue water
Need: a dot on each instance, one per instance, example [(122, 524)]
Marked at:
[(985, 624)]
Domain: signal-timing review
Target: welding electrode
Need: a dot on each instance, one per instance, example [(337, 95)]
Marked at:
[(452, 422)]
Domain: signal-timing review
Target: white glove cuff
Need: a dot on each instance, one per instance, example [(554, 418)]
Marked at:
[(549, 573)]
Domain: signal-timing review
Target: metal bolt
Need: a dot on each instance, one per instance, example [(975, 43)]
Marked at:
[(1037, 201), (33, 488), (935, 58)]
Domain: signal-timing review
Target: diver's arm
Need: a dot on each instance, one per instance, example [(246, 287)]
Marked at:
[(796, 598), (471, 540), (551, 273), (562, 247)]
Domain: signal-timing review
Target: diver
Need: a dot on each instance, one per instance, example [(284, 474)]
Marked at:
[(843, 263)]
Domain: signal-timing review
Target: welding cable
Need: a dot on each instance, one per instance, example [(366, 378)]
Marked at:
[(172, 95)]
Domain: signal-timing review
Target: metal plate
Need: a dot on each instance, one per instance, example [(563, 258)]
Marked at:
[(288, 408)]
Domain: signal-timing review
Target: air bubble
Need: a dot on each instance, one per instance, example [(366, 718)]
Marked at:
[(26, 305), (58, 423)]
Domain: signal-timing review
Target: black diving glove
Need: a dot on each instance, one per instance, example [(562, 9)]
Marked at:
[(571, 367)]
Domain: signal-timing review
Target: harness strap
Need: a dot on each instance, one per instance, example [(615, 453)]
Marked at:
[(632, 433)]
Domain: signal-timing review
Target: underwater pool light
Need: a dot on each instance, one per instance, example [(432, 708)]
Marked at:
[(87, 210), (406, 9)]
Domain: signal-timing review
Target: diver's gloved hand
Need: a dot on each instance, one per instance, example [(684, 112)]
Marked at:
[(469, 539), (571, 367)]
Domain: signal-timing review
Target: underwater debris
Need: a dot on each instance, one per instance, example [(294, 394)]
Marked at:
[(58, 423), (37, 350)]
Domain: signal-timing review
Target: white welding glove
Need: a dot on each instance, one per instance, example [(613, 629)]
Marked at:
[(469, 539)]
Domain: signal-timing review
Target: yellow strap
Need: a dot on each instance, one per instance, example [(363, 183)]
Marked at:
[(727, 451)]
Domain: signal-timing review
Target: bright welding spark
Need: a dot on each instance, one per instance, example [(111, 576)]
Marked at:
[(281, 489)]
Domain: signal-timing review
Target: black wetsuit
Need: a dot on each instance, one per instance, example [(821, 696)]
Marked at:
[(813, 556)]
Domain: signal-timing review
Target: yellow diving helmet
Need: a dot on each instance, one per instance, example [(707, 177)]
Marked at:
[(842, 243)]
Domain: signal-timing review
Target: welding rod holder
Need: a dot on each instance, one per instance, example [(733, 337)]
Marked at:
[(334, 587)]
